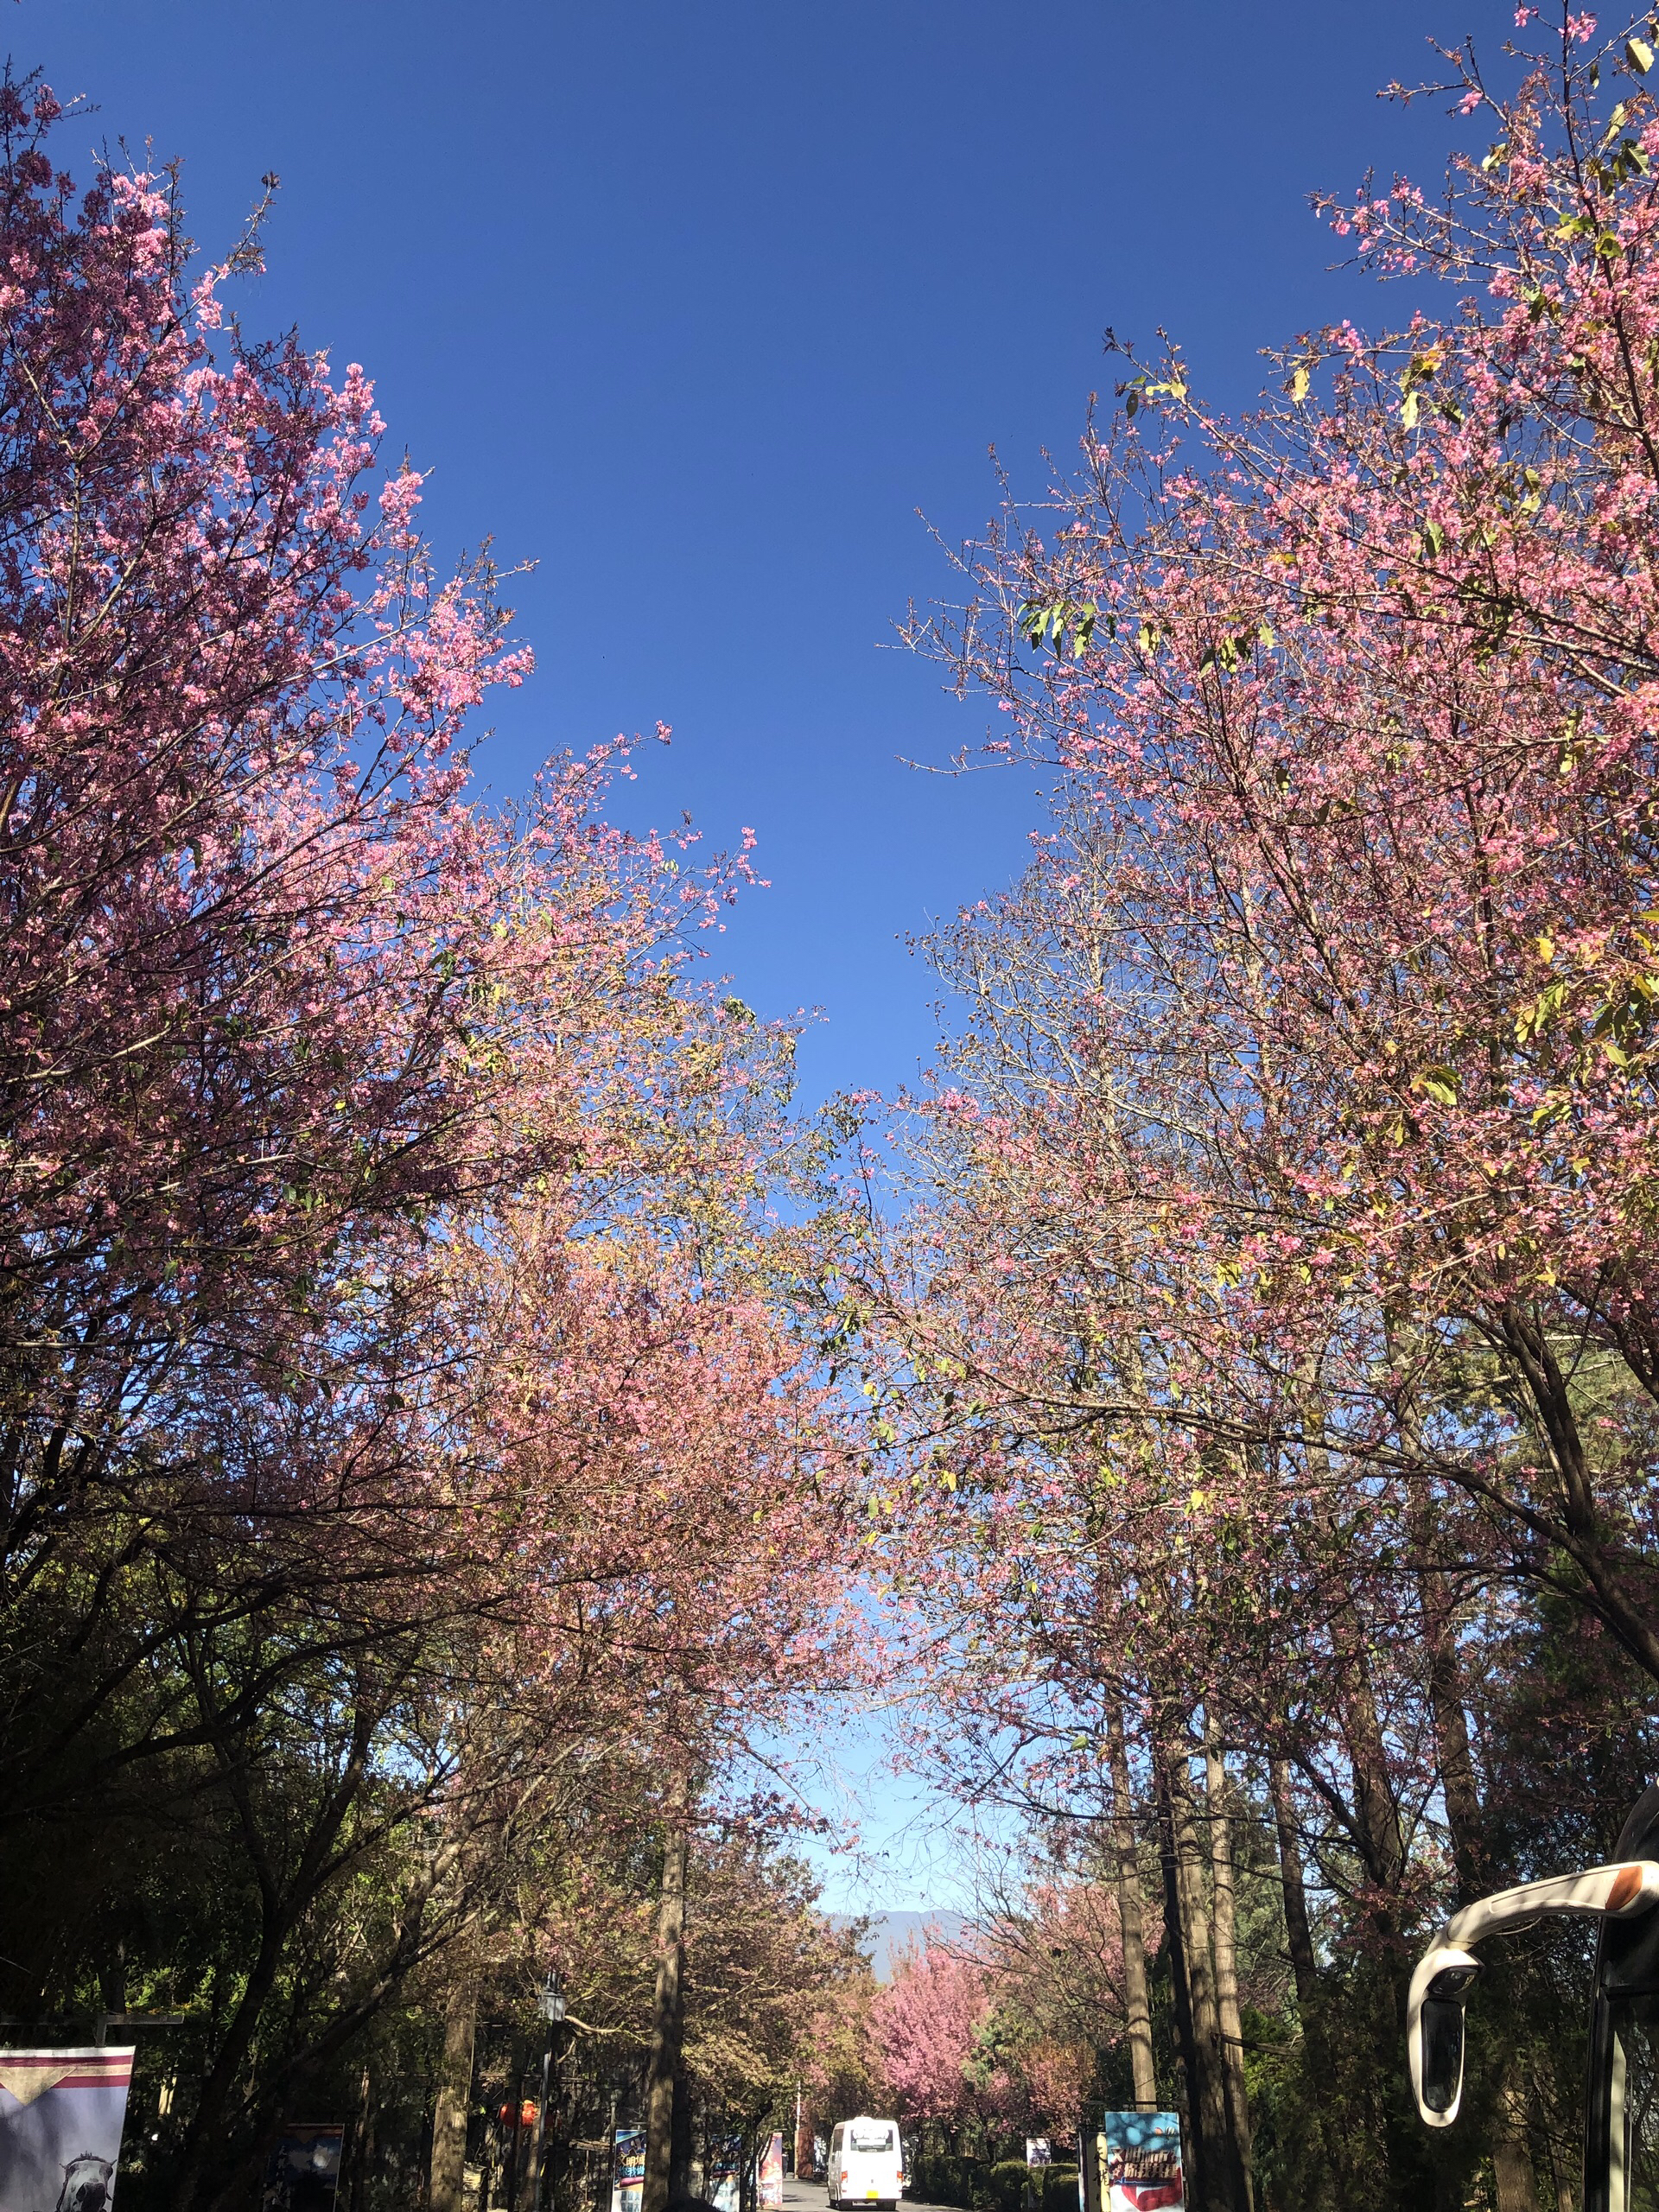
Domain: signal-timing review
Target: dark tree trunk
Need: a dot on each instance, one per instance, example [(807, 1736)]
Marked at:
[(1225, 2183), (1218, 1796), (1297, 1934), (679, 2138), (1131, 1908), (667, 2020), (454, 2095), (1175, 1948)]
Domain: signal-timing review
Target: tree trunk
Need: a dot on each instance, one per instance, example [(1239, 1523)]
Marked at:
[(1225, 2184), (1452, 1754), (1377, 1816), (1304, 1967), (1132, 1917), (362, 2144), (1180, 1989), (1226, 1935), (455, 2094), (679, 2138), (1517, 2187), (667, 2019), (1297, 1934)]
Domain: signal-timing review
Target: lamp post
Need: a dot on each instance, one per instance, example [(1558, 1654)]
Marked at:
[(550, 2003)]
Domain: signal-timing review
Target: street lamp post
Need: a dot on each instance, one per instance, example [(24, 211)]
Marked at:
[(550, 2003)]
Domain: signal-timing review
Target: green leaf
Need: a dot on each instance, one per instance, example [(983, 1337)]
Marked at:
[(1439, 1083), (1434, 540), (1639, 55)]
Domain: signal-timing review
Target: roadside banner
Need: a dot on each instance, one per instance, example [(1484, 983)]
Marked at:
[(770, 2174), (627, 2170), (1038, 2150), (1142, 2153), (303, 2173), (62, 2113)]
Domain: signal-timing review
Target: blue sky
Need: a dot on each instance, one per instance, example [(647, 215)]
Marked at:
[(696, 306)]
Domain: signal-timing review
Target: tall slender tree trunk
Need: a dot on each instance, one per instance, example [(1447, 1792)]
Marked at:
[(1517, 2186), (679, 2152), (363, 2143), (1226, 2187), (1459, 1786), (1298, 1935), (1304, 1968), (1376, 1814), (667, 2018), (1180, 1988), (1131, 1919), (454, 2094), (1219, 1792), (1512, 2167)]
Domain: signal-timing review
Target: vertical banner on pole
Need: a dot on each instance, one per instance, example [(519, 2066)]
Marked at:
[(628, 2168), (62, 2113), (770, 2193), (1143, 2157), (1091, 2167)]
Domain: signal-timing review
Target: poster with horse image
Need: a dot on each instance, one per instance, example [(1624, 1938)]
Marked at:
[(62, 2113)]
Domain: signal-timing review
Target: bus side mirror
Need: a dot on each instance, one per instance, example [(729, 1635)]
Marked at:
[(1621, 1891), (1439, 1990)]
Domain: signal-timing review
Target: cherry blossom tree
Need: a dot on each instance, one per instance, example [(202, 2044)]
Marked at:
[(396, 1417), (1271, 1324), (925, 2026)]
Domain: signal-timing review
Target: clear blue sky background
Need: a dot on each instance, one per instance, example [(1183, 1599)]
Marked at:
[(696, 305)]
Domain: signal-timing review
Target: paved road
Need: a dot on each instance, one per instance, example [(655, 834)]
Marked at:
[(804, 2195)]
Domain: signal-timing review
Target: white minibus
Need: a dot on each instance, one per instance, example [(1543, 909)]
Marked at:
[(867, 2162)]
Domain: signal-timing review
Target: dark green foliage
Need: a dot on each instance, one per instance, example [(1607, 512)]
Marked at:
[(982, 2185)]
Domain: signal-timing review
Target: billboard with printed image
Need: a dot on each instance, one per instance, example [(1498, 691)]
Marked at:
[(725, 2176), (303, 2174), (1141, 2155), (62, 2113), (769, 2175), (628, 2168)]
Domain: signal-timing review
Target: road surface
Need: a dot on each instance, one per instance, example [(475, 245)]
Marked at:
[(804, 2195)]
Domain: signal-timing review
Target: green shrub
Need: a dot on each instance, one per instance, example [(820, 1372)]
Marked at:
[(941, 2179), (1005, 2185), (1060, 2188)]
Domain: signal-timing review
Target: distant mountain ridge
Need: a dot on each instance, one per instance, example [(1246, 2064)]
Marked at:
[(891, 1932)]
